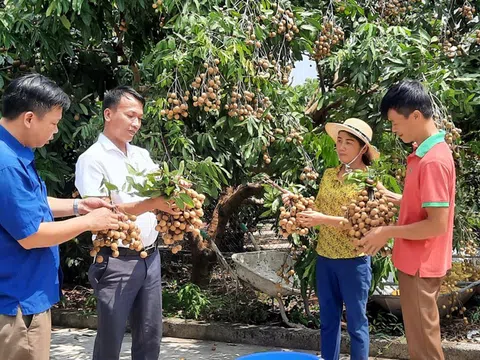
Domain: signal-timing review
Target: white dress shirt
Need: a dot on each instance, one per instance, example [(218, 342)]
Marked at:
[(105, 160)]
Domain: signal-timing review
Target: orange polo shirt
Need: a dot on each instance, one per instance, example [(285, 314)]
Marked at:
[(430, 182)]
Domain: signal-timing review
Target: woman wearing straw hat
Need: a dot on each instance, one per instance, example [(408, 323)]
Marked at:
[(342, 275)]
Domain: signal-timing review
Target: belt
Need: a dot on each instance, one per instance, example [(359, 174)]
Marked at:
[(127, 252)]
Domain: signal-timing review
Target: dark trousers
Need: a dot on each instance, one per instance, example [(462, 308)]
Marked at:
[(128, 287), (342, 281)]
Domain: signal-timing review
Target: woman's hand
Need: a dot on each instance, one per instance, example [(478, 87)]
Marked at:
[(309, 218)]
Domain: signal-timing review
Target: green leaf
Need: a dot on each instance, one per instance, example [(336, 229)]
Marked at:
[(131, 170), (169, 190), (43, 152), (181, 168), (110, 186), (187, 199), (197, 4), (84, 109), (308, 27), (51, 176), (425, 36), (121, 5), (65, 23), (248, 151), (258, 33), (210, 140), (219, 122), (179, 203), (50, 8), (265, 214), (249, 128)]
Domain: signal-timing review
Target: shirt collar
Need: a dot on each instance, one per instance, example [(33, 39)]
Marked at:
[(24, 153), (429, 143), (109, 145)]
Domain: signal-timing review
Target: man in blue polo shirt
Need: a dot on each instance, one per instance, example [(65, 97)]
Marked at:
[(30, 275)]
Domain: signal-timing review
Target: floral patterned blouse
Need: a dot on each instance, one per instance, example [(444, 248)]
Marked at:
[(332, 242)]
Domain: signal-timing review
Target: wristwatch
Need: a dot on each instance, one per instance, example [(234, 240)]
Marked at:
[(75, 207)]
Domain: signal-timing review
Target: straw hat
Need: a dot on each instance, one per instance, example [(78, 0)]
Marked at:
[(357, 127)]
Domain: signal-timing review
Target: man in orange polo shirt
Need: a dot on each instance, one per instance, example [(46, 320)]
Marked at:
[(422, 251)]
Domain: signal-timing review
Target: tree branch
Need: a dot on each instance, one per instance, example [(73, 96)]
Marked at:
[(319, 116), (136, 74), (321, 78), (228, 205)]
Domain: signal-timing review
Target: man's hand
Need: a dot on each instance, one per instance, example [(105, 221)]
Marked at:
[(390, 195), (103, 219), (286, 197), (162, 204), (87, 205), (185, 184), (373, 241), (309, 218)]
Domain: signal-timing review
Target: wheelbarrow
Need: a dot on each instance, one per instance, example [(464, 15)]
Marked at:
[(260, 269), (391, 303), (465, 291)]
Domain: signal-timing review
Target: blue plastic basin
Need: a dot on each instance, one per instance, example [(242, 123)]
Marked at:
[(279, 355)]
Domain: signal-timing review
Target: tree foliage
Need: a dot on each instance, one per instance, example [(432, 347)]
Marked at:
[(260, 124)]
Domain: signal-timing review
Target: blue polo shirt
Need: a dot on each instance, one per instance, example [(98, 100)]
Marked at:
[(28, 278)]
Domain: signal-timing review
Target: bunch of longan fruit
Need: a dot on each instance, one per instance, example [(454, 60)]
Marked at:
[(370, 209), (464, 271), (453, 134), (157, 4), (330, 36), (178, 105), (468, 11), (248, 104), (296, 204), (284, 23), (208, 87), (393, 10), (450, 49), (294, 137), (174, 227), (128, 233), (308, 174), (266, 158), (252, 38)]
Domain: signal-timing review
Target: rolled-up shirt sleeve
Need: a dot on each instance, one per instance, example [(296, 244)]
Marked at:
[(20, 210), (434, 185)]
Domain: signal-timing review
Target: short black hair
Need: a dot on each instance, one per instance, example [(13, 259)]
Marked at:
[(113, 97), (405, 97), (35, 93)]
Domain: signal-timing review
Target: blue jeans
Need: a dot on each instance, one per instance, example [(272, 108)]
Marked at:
[(343, 281)]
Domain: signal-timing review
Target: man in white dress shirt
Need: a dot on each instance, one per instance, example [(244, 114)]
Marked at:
[(126, 287)]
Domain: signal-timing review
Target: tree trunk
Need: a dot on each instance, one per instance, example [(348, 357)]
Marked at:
[(228, 205), (202, 260)]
